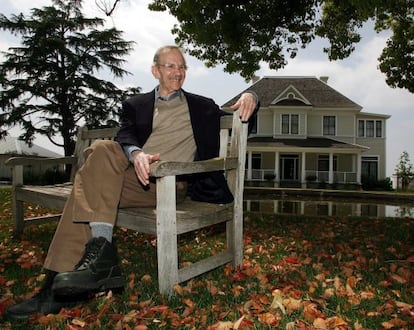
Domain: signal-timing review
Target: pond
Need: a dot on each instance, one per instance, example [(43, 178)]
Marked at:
[(328, 208)]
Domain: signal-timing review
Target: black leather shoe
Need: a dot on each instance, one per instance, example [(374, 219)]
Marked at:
[(43, 302), (98, 270)]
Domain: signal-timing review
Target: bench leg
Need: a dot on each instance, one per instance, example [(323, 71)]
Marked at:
[(237, 239), (18, 217), (17, 205), (167, 253)]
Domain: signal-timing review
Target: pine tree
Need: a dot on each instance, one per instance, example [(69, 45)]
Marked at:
[(49, 84)]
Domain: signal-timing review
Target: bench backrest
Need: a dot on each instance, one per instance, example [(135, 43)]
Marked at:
[(84, 139)]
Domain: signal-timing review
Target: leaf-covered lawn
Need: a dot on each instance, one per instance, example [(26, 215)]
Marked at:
[(298, 273)]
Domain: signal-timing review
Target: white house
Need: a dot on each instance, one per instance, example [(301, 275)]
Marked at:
[(308, 134)]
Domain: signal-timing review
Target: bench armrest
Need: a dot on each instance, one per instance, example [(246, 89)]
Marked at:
[(25, 161), (169, 168)]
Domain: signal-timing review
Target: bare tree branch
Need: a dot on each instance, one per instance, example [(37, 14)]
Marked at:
[(102, 5)]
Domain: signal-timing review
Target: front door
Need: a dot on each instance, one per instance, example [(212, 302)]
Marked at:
[(289, 167)]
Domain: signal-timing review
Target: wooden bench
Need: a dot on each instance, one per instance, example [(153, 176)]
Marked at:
[(168, 219)]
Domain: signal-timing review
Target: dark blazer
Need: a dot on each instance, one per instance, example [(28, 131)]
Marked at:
[(136, 126), (137, 115)]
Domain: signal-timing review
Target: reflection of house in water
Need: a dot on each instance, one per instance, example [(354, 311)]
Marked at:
[(326, 208)]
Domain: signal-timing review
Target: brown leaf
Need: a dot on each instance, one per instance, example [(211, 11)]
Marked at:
[(367, 295), (140, 327), (398, 279), (292, 305), (237, 290), (320, 323), (178, 289), (394, 323), (79, 323), (311, 312), (146, 278), (269, 319), (222, 326)]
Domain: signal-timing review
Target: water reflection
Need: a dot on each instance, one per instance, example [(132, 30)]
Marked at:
[(327, 208)]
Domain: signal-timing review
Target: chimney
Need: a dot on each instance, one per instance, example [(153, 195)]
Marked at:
[(324, 79), (255, 79)]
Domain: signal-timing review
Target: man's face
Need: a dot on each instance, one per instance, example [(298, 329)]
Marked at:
[(170, 72)]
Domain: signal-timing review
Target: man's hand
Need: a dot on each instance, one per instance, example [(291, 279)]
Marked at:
[(142, 163), (246, 104)]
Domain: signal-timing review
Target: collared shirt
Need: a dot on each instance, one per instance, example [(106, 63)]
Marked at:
[(167, 98)]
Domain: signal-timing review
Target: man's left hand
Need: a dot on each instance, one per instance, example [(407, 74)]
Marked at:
[(246, 104)]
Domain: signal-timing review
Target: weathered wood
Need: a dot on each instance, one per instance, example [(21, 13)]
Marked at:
[(14, 161), (204, 265), (17, 204), (42, 219), (168, 219), (167, 250), (100, 133), (163, 168)]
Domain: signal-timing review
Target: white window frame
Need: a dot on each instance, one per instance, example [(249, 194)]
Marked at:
[(289, 124), (326, 130), (376, 131)]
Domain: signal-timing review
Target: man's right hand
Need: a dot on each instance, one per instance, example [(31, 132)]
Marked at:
[(142, 163)]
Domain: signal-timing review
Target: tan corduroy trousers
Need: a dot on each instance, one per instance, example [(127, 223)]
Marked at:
[(105, 182)]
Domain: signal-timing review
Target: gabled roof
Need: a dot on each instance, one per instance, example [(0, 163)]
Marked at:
[(14, 146), (318, 93)]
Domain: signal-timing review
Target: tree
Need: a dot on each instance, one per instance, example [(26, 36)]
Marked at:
[(48, 85), (342, 19), (243, 33), (404, 170)]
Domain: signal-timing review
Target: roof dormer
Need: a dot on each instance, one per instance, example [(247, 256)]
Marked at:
[(290, 96)]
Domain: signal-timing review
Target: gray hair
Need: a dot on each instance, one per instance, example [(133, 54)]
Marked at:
[(165, 49)]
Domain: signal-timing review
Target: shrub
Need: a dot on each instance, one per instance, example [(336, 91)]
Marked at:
[(379, 185)]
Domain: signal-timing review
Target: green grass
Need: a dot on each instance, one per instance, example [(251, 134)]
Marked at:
[(298, 273)]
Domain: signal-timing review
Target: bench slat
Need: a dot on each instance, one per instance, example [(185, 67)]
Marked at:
[(191, 215)]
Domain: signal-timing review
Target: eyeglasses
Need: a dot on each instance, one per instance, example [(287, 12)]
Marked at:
[(170, 66)]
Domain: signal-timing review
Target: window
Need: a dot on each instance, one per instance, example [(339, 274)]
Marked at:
[(256, 166), (256, 161), (294, 124), (329, 125), (285, 124), (361, 128), (323, 163), (378, 128), (290, 124), (370, 128)]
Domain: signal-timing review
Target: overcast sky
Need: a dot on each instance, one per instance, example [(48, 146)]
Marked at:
[(356, 77)]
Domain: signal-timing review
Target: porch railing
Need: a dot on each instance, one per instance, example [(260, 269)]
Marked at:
[(310, 176)]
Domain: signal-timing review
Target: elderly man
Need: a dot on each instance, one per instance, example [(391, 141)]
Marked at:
[(167, 123)]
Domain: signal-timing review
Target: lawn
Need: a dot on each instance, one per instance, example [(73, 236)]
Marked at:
[(298, 273)]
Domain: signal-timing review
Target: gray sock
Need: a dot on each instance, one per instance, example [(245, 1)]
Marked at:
[(102, 229)]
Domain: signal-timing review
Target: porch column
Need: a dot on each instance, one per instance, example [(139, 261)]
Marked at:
[(303, 170), (249, 165), (330, 179), (358, 168), (277, 174)]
